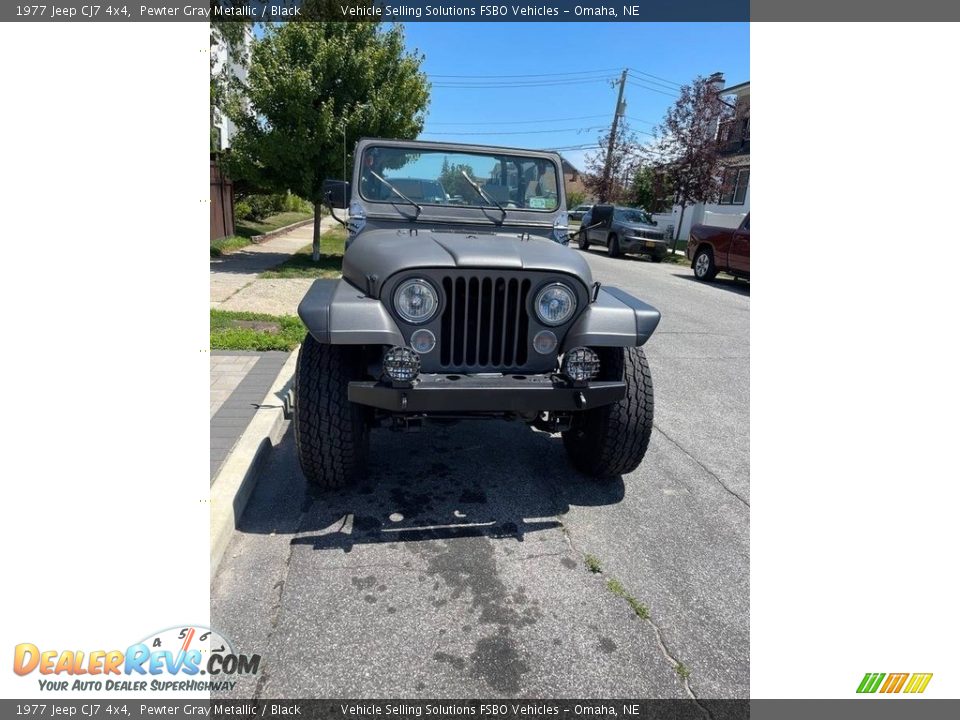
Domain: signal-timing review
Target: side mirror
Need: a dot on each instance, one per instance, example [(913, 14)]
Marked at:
[(336, 193)]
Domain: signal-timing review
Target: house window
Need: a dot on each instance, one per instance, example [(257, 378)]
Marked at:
[(733, 191)]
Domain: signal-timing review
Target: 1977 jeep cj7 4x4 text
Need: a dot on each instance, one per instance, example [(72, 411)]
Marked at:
[(460, 299)]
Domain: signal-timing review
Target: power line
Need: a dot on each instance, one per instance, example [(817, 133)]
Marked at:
[(533, 75), (523, 122), (573, 147), (655, 77), (662, 92), (514, 132), (655, 85), (545, 83)]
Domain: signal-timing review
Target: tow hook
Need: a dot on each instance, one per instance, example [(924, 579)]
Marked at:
[(402, 423)]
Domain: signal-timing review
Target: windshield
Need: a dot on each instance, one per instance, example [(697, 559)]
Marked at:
[(632, 215), (436, 177)]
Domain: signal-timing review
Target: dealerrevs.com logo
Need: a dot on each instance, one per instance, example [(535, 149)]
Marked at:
[(185, 658), (911, 683)]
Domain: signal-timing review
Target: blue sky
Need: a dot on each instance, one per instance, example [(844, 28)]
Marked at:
[(579, 59)]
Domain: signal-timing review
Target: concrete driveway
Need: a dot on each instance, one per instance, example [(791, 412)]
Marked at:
[(458, 568)]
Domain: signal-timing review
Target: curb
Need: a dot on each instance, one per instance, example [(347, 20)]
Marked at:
[(257, 239), (237, 477)]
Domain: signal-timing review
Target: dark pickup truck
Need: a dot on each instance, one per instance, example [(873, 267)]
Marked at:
[(712, 249)]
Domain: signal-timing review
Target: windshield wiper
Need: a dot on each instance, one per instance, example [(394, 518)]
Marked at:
[(482, 194), (400, 194)]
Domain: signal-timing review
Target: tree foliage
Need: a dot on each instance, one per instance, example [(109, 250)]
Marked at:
[(648, 189), (575, 198), (313, 87), (451, 177), (227, 45), (612, 187), (684, 150)]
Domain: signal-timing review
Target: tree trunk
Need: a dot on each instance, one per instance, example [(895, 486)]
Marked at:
[(317, 212), (676, 234)]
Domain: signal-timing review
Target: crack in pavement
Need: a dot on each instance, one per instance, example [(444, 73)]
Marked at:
[(676, 665), (702, 466), (658, 634)]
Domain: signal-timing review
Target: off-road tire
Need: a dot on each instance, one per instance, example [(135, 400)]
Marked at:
[(704, 269), (333, 438), (613, 246), (611, 440)]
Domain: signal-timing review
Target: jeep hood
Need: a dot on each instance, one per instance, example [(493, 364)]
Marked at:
[(378, 254)]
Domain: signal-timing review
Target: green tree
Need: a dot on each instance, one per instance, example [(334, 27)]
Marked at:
[(228, 44), (648, 190), (451, 177), (575, 198), (313, 89)]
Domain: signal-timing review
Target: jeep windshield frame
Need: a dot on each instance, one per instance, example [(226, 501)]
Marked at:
[(527, 184)]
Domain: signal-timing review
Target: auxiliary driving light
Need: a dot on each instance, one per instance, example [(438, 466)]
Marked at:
[(544, 342), (423, 341), (401, 364), (580, 364)]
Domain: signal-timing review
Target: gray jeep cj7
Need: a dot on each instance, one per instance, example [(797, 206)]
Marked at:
[(461, 299)]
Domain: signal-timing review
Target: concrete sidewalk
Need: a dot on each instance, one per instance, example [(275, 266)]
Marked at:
[(231, 273)]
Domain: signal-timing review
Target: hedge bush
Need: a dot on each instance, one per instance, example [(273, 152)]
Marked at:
[(258, 207)]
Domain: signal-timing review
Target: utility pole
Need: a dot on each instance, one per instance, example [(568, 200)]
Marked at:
[(613, 137)]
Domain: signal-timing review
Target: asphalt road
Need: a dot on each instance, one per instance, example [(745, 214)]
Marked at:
[(458, 569)]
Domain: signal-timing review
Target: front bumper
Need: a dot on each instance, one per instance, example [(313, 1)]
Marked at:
[(643, 246), (436, 393)]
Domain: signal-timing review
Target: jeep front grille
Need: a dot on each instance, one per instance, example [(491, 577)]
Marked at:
[(484, 324)]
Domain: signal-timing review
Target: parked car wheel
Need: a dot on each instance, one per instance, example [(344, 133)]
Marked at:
[(612, 440), (703, 265), (333, 438), (613, 246), (582, 242)]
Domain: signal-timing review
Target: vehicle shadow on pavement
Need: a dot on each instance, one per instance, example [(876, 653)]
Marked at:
[(244, 262), (474, 479), (740, 287)]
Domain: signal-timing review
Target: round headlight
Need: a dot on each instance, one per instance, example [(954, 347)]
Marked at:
[(416, 301), (555, 304)]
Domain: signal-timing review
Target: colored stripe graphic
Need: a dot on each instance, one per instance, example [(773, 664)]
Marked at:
[(894, 682), (870, 682), (918, 682)]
